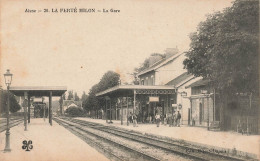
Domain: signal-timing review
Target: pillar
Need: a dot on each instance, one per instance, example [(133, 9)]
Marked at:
[(106, 110), (127, 111), (121, 111), (61, 104), (134, 101), (50, 108), (116, 110), (167, 103), (29, 108), (44, 108), (214, 104), (25, 111), (191, 119), (110, 111)]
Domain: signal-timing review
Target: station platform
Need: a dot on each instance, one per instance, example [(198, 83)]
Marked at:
[(50, 143), (243, 144)]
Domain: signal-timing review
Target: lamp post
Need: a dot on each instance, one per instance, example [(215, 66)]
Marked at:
[(8, 80)]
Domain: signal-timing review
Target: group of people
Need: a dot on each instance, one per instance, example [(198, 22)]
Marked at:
[(133, 119), (172, 119)]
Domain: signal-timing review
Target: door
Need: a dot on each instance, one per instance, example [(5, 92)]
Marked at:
[(189, 116), (200, 113)]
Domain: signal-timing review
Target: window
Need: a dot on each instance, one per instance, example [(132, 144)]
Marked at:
[(152, 80), (142, 82), (146, 81)]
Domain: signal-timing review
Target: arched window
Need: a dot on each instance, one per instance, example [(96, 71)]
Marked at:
[(152, 80)]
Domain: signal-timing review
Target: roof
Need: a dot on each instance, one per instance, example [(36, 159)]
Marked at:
[(73, 104), (201, 82), (69, 102), (39, 90), (176, 81), (158, 64), (128, 88)]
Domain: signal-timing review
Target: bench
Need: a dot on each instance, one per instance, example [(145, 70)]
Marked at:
[(214, 125)]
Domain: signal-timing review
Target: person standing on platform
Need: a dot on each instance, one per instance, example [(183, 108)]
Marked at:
[(174, 119), (135, 120), (170, 118), (131, 117), (165, 119), (178, 119), (158, 119)]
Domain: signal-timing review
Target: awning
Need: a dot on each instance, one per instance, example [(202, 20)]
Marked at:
[(201, 82), (39, 91), (124, 90)]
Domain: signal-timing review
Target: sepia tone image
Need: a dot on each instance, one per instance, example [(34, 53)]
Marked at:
[(129, 80)]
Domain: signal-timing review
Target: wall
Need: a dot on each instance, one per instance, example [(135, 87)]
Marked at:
[(170, 71), (148, 78), (185, 101), (203, 113)]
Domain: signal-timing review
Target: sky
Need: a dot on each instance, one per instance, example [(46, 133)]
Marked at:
[(76, 49)]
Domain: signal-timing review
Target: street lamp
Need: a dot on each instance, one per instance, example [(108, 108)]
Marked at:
[(8, 79)]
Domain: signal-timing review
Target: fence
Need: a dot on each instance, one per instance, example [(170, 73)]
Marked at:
[(245, 124)]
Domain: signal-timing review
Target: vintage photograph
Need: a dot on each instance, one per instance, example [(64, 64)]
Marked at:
[(131, 80)]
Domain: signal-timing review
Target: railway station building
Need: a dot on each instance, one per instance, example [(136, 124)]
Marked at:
[(164, 87), (161, 88)]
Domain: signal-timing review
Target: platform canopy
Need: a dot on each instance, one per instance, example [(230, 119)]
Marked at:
[(126, 90), (39, 91)]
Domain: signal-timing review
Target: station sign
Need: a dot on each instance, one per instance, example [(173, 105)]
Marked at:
[(153, 99), (174, 105)]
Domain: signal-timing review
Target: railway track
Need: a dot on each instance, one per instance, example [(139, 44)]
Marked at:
[(157, 148), (13, 122), (112, 147)]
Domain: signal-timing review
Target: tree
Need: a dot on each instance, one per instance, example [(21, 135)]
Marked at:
[(76, 97), (108, 80), (74, 111), (146, 64), (84, 98), (92, 101), (61, 99), (14, 106), (70, 95), (225, 50), (64, 96)]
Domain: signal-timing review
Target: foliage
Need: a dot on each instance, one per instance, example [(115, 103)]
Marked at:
[(145, 64), (74, 111), (109, 79), (84, 97), (64, 96), (14, 106), (92, 101), (70, 95), (76, 97), (225, 48)]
